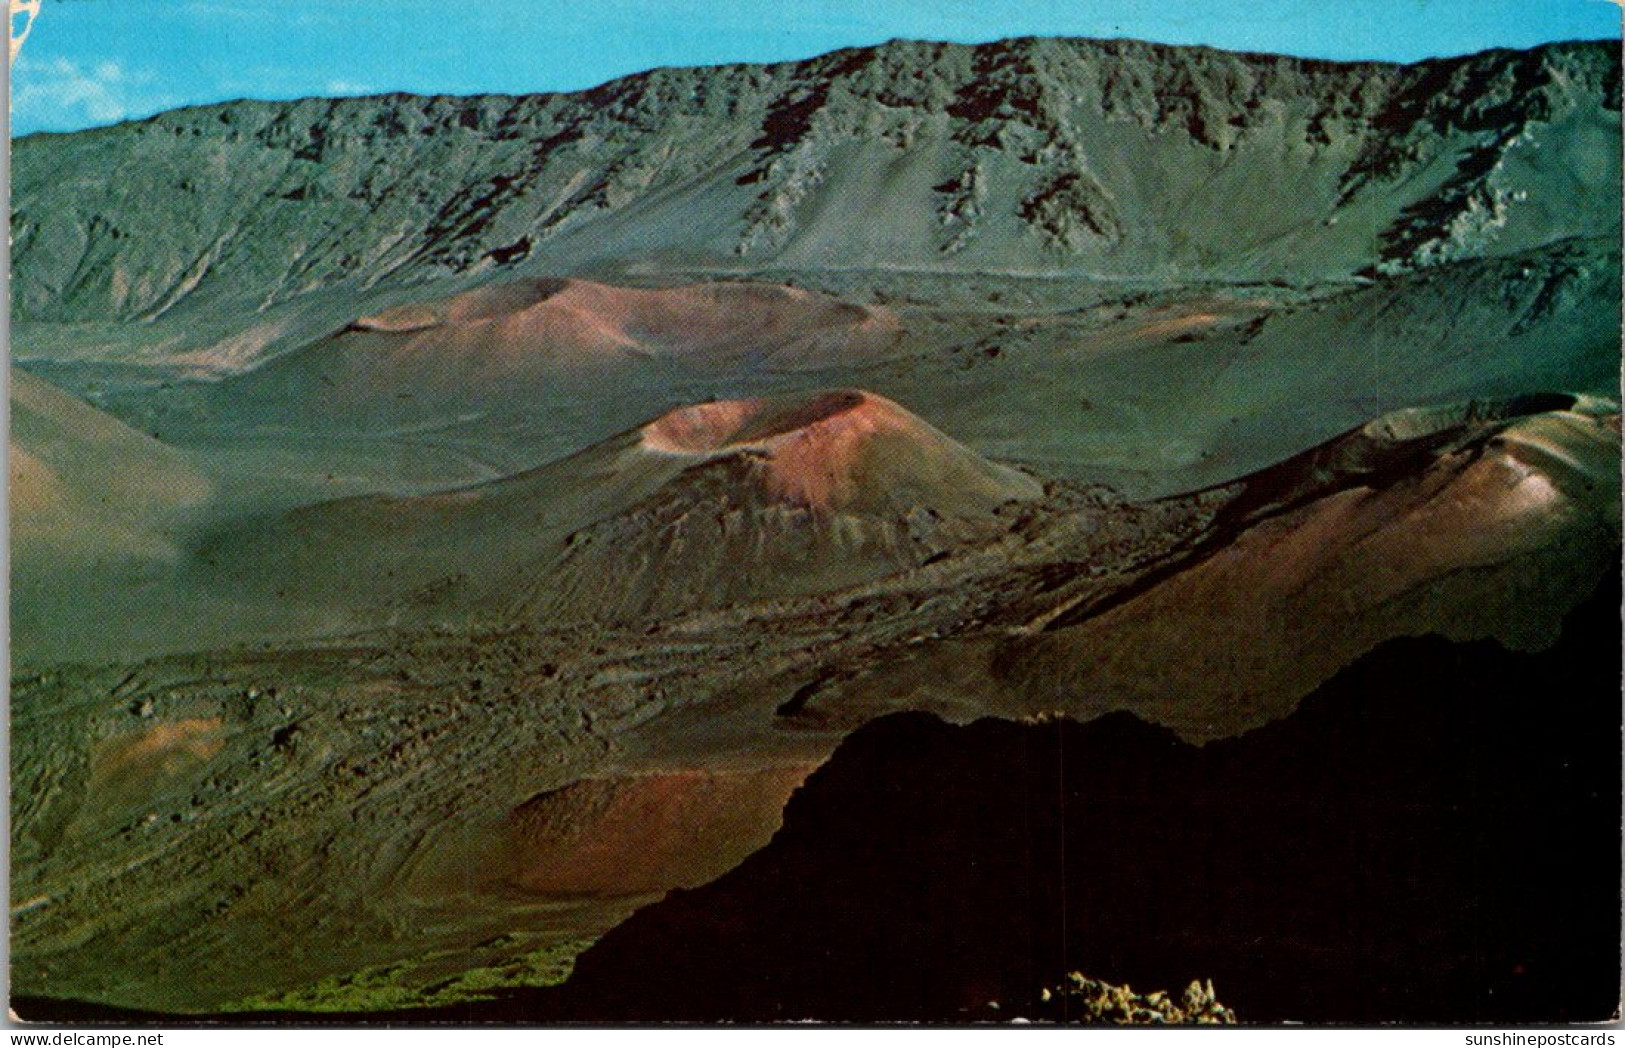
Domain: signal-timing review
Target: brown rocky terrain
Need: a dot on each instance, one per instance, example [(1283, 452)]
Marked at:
[(441, 527)]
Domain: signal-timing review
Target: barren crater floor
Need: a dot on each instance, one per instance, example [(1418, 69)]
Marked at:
[(443, 527)]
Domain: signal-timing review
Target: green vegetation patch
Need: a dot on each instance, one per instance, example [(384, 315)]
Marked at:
[(391, 987)]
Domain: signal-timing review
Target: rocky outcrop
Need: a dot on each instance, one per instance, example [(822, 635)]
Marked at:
[(1085, 1000)]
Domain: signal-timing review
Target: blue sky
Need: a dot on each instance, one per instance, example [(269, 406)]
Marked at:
[(91, 62)]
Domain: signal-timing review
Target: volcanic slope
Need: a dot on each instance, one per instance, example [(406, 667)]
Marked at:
[(84, 484), (1167, 269), (1112, 158), (100, 515), (1486, 519), (707, 506), (507, 353), (973, 196), (421, 790), (1152, 391)]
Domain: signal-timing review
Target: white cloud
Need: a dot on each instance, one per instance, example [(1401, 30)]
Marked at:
[(58, 93)]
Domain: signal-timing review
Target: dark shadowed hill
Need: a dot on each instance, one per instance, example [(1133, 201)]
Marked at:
[(1432, 837), (1111, 157)]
